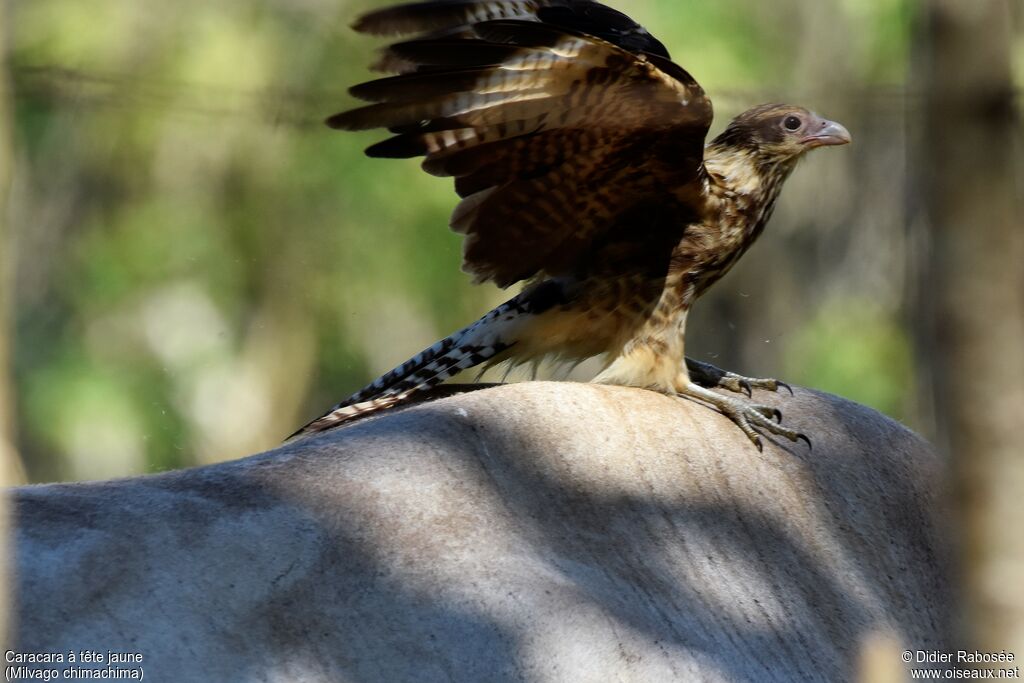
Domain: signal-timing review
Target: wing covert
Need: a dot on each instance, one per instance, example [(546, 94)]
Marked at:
[(553, 116)]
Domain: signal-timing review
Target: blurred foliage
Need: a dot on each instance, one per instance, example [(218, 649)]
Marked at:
[(854, 349), (201, 265)]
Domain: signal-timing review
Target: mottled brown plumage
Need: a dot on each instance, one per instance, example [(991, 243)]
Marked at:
[(578, 149)]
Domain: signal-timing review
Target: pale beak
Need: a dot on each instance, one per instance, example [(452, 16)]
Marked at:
[(827, 133)]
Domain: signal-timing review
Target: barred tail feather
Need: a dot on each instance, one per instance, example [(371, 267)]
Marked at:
[(429, 361), (479, 343), (384, 383), (350, 412)]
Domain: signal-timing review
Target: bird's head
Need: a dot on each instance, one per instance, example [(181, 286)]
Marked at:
[(782, 132)]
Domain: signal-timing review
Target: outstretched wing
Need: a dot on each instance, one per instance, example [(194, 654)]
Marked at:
[(555, 117)]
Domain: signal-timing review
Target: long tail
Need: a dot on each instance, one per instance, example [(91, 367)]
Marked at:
[(482, 342)]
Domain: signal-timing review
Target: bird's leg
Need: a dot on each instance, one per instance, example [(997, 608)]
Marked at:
[(655, 359), (711, 377), (747, 416)]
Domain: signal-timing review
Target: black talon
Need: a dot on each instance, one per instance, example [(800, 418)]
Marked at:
[(745, 386), (760, 446), (788, 388), (777, 414), (808, 441)]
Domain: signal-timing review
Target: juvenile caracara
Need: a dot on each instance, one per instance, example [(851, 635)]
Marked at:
[(578, 148)]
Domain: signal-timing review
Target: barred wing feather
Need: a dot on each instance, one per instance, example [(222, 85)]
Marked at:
[(551, 130)]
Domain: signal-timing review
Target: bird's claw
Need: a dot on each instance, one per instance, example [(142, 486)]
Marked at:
[(711, 377), (769, 412), (748, 416), (740, 384), (733, 383)]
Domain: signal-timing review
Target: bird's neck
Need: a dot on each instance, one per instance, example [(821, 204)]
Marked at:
[(745, 173), (743, 186)]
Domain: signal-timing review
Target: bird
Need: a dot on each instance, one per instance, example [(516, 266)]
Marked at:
[(578, 151)]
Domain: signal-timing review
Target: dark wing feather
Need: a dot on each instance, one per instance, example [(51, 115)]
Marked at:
[(554, 122), (438, 15), (595, 19), (581, 16)]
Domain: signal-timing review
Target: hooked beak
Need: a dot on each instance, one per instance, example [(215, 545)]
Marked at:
[(827, 133)]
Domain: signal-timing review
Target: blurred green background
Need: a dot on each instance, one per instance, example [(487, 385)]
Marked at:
[(200, 266)]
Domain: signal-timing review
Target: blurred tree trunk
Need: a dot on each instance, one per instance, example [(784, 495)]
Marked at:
[(971, 298), (9, 467)]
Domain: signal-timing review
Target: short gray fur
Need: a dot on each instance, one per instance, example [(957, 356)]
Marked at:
[(534, 532)]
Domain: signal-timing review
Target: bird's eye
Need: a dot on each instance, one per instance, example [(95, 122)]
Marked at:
[(792, 123)]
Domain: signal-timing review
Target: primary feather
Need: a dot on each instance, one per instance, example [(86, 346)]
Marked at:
[(578, 149), (532, 117)]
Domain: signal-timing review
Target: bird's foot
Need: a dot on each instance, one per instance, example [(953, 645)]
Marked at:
[(745, 415), (711, 377)]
